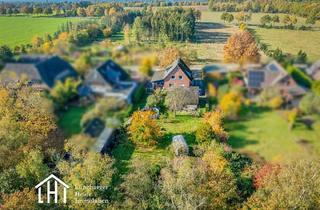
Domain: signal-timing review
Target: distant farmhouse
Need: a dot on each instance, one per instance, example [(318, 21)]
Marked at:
[(42, 72), (314, 71), (274, 75), (177, 74), (110, 80)]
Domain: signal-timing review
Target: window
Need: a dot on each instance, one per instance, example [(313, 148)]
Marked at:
[(170, 84), (180, 77), (173, 77)]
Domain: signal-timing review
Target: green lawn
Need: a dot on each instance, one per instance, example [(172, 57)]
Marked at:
[(69, 120), (267, 134), (20, 30)]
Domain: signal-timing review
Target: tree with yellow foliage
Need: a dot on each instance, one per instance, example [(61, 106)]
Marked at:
[(146, 65), (241, 48), (63, 36), (212, 90), (214, 119), (144, 130), (169, 55), (36, 41), (230, 104)]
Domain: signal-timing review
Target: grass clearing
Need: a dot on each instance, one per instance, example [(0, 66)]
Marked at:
[(69, 120), (20, 30)]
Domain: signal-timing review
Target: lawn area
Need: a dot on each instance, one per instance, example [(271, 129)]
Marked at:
[(267, 134), (20, 30), (69, 121)]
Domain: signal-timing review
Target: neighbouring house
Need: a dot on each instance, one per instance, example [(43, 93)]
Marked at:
[(314, 70), (110, 80), (42, 72), (177, 74), (102, 134), (274, 75)]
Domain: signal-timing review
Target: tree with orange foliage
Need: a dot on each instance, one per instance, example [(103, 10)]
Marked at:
[(214, 119), (241, 48), (169, 55), (21, 200), (265, 171), (144, 130)]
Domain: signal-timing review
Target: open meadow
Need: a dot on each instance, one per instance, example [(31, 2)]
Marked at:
[(18, 30), (290, 41)]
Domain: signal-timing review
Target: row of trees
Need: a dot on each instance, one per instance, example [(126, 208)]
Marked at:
[(80, 9), (307, 9)]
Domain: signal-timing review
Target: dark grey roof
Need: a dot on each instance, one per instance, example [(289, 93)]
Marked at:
[(94, 127), (161, 75), (112, 72), (55, 69), (47, 69)]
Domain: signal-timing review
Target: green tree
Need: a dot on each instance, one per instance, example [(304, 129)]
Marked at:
[(265, 20), (32, 169), (62, 92), (178, 97), (83, 63)]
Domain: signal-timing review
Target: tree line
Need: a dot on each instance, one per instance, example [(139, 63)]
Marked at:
[(75, 9), (308, 9)]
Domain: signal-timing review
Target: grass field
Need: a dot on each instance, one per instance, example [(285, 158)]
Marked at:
[(20, 30), (267, 134), (290, 41)]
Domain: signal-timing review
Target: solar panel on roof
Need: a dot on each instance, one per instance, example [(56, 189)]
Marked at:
[(255, 78)]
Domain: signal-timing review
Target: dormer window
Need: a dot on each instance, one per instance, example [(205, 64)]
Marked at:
[(173, 77)]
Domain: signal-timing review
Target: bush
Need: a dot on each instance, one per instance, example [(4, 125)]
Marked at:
[(204, 133), (310, 104), (299, 76), (231, 104), (276, 102)]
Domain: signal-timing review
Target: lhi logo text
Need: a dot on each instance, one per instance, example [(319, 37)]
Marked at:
[(54, 192)]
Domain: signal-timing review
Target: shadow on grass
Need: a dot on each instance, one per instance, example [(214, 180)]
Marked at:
[(205, 33), (121, 153)]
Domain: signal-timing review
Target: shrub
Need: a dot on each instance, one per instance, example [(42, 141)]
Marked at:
[(204, 133), (276, 102), (309, 104), (299, 76), (231, 103)]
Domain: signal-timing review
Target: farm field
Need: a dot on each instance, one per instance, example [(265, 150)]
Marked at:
[(20, 30)]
